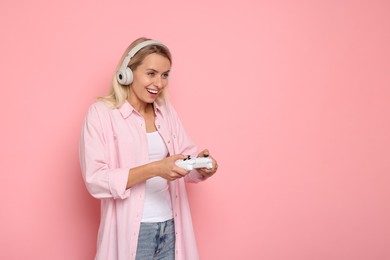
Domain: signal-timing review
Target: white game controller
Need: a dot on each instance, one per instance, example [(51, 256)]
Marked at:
[(189, 164)]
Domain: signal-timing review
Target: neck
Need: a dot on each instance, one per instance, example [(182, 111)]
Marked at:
[(141, 107)]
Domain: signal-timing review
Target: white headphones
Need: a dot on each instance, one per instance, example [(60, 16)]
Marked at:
[(124, 75)]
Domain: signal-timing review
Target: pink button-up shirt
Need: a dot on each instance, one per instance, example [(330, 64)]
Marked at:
[(112, 142)]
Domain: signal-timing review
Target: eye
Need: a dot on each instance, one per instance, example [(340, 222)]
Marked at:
[(151, 73), (165, 75)]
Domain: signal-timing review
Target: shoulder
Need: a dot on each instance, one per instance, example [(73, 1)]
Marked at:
[(172, 117), (100, 107), (169, 110), (99, 111)]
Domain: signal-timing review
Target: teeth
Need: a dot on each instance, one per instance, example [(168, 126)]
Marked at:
[(152, 91)]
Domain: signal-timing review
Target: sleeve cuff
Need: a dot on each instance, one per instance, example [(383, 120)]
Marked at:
[(118, 182)]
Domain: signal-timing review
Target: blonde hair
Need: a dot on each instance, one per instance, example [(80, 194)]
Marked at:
[(119, 93)]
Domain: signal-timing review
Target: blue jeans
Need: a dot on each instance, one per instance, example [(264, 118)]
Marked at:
[(156, 241)]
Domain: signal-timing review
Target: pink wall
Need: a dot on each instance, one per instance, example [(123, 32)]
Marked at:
[(304, 165)]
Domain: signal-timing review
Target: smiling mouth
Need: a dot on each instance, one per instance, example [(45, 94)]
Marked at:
[(152, 91)]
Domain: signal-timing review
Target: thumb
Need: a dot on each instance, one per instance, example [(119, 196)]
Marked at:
[(204, 153), (178, 157)]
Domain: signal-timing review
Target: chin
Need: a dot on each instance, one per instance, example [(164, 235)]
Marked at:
[(150, 100)]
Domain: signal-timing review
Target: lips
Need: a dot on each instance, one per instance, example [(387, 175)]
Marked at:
[(152, 91)]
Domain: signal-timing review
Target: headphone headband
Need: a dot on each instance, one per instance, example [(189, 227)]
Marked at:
[(124, 75), (142, 45)]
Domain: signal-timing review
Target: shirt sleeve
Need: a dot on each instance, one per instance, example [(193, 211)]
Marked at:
[(101, 181), (185, 146)]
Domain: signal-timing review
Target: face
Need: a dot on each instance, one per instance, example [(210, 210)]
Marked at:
[(150, 78)]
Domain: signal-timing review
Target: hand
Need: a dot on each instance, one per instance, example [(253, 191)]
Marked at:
[(204, 171), (167, 169)]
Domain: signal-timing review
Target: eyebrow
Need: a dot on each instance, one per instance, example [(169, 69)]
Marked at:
[(157, 71)]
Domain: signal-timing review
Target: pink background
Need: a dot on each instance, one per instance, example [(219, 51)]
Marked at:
[(291, 97)]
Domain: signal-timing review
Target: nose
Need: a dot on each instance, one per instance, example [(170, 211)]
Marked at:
[(158, 82)]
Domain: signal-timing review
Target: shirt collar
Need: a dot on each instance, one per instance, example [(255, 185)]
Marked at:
[(157, 109), (126, 109)]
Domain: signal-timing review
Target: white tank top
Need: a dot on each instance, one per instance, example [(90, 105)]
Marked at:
[(157, 204)]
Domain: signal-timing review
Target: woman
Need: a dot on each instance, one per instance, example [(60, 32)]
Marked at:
[(129, 144)]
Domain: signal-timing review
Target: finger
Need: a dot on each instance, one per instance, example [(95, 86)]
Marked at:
[(178, 157), (180, 171), (206, 172), (215, 165), (173, 175), (204, 153)]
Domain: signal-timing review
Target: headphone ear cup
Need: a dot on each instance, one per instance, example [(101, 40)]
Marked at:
[(121, 76), (129, 76), (124, 76)]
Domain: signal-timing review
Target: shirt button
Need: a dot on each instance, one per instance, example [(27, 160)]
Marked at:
[(169, 141)]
